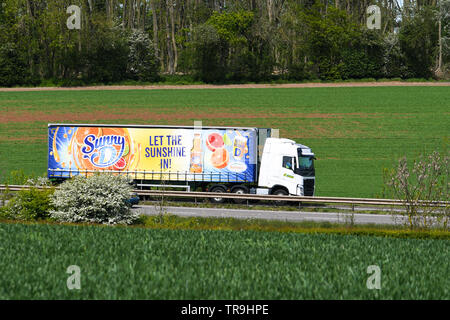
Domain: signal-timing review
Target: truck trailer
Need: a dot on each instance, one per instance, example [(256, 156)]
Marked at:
[(214, 159)]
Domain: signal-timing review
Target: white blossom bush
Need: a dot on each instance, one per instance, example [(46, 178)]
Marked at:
[(100, 198), (39, 182), (142, 61)]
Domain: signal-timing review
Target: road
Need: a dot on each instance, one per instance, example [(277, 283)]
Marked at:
[(358, 218)]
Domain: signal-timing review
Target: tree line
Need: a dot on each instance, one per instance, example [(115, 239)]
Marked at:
[(221, 40)]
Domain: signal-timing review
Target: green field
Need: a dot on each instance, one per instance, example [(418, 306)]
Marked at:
[(355, 132), (137, 263)]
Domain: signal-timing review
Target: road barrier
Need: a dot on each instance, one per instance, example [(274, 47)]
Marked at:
[(278, 198)]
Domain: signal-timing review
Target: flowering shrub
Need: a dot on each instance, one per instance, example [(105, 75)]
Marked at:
[(39, 182), (142, 61), (100, 198)]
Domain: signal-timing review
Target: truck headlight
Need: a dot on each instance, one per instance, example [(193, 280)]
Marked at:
[(300, 190)]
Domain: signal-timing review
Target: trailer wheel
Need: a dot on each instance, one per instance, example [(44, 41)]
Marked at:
[(218, 199), (239, 190), (280, 192)]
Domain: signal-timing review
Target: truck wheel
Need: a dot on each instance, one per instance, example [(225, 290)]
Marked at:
[(280, 192), (239, 190), (218, 199)]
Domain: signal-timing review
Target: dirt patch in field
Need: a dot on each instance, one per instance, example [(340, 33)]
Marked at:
[(142, 115), (243, 86), (39, 138)]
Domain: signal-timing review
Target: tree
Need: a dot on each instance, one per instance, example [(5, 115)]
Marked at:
[(394, 65), (364, 57), (296, 39), (419, 42), (328, 36), (444, 38), (105, 60), (208, 54), (13, 67)]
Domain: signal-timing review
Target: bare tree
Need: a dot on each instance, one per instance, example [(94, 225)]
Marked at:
[(424, 190), (172, 27), (169, 46), (155, 27)]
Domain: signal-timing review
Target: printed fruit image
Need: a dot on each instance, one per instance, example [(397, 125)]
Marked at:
[(108, 149), (214, 141), (126, 151), (77, 143), (120, 165), (220, 158), (82, 132), (227, 140)]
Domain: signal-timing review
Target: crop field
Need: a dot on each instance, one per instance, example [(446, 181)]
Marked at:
[(355, 132), (138, 263)]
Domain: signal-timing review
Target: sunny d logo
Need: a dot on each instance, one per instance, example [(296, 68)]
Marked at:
[(103, 151)]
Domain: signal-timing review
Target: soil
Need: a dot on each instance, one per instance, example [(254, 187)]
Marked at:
[(143, 115)]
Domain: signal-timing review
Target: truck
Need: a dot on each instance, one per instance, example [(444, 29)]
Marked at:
[(213, 159)]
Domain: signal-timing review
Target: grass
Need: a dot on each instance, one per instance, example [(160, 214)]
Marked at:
[(355, 132), (268, 205), (173, 222), (166, 220), (137, 263)]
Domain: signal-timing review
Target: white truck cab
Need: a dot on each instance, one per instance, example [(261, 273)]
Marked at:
[(286, 168)]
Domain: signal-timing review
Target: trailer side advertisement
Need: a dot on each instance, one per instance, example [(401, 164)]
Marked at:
[(187, 154)]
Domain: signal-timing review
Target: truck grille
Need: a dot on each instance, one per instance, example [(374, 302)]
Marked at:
[(308, 187)]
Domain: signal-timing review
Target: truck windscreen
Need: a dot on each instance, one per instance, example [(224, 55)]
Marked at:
[(306, 165)]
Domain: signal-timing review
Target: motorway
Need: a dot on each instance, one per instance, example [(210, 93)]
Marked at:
[(291, 216)]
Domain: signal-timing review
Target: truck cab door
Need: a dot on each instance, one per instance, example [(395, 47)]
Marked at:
[(288, 177)]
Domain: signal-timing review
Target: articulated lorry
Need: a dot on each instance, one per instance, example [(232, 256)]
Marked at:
[(214, 159)]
